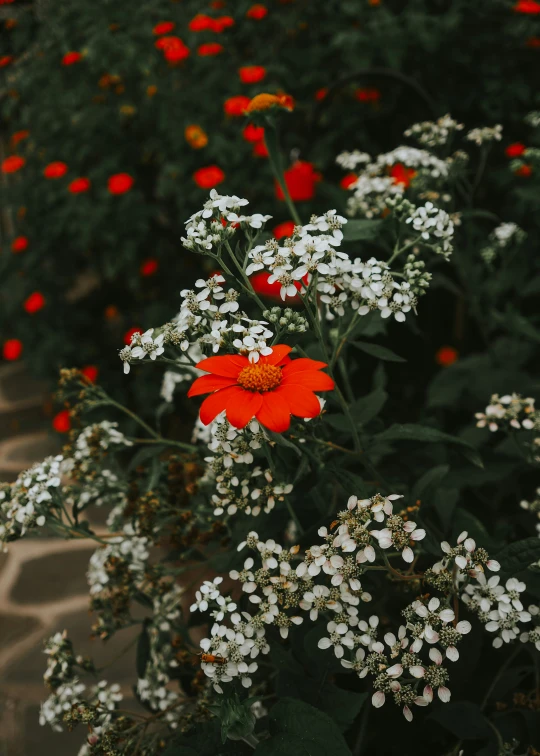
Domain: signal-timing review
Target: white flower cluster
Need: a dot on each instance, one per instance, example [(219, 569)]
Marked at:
[(435, 227), (485, 134), (533, 119), (240, 486), (127, 551), (349, 161), (502, 237), (509, 411), (142, 345), (101, 435), (434, 133), (27, 503)]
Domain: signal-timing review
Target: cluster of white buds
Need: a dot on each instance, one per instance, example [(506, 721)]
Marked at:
[(485, 134), (26, 503), (498, 607), (501, 238), (349, 161), (509, 411), (125, 554), (435, 228), (142, 345), (434, 133)]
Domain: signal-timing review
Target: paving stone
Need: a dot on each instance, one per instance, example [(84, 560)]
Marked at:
[(13, 628), (18, 389), (23, 451), (52, 577)]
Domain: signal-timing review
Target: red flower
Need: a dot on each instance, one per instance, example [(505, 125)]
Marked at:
[(12, 164), (12, 349), (320, 94), (175, 54), (300, 180), (34, 303), (5, 60), (284, 229), (210, 48), (55, 170), (149, 267), (252, 133), (90, 372), (260, 149), (348, 180), (221, 23), (236, 106), (79, 185), (201, 22), (257, 12), (163, 28), (367, 95), (515, 150), (271, 390), (18, 136), (527, 6), (129, 334), (251, 74), (525, 171), (261, 285), (402, 175), (446, 356), (19, 244), (120, 183), (70, 58), (533, 42), (62, 422), (208, 177)]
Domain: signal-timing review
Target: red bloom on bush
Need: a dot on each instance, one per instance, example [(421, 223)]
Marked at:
[(257, 12), (261, 285), (236, 106), (252, 133), (260, 149), (62, 422), (402, 175), (129, 334), (524, 171), (175, 54), (163, 28), (210, 48), (527, 6), (70, 58), (90, 372), (18, 136), (514, 150), (34, 303), (55, 170), (300, 180), (19, 244), (5, 60), (120, 183), (149, 267), (79, 185), (367, 95), (271, 390), (201, 22), (12, 349), (284, 229), (348, 180), (209, 177), (222, 23), (251, 74), (446, 356), (12, 164), (320, 94)]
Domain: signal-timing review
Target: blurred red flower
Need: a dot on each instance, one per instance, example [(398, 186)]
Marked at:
[(12, 164), (19, 244), (163, 28), (208, 177), (260, 149), (79, 185), (18, 136), (527, 6), (210, 48), (320, 94), (91, 372), (300, 180), (62, 422), (129, 334), (12, 349), (70, 58), (257, 12), (284, 229), (514, 150), (402, 175), (222, 23), (34, 303), (149, 267), (55, 170), (367, 95), (5, 60), (120, 183), (348, 180), (251, 74), (252, 133), (201, 22), (525, 171), (236, 106), (446, 356)]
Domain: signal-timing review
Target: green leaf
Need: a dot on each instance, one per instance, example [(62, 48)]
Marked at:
[(298, 729), (463, 719), (358, 230), (518, 556), (367, 407), (411, 432), (431, 479), (378, 351)]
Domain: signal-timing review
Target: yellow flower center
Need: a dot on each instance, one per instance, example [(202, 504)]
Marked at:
[(260, 377)]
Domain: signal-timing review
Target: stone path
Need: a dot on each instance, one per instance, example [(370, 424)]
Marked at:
[(42, 588)]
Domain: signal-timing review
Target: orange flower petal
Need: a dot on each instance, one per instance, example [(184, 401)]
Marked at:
[(310, 379), (302, 402), (239, 413), (209, 383), (228, 365), (279, 352), (216, 403), (302, 364), (274, 413)]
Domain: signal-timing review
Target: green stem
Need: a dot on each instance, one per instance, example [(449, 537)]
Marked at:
[(274, 155), (133, 416), (165, 442), (245, 280)]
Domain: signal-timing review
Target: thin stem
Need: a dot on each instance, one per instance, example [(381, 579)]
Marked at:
[(246, 283), (274, 156), (165, 442), (133, 416)]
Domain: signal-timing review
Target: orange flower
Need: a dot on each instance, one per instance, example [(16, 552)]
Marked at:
[(251, 74), (284, 229), (209, 177), (90, 372), (348, 180), (236, 106), (209, 49), (446, 356), (253, 133), (62, 422), (527, 6), (120, 183), (18, 136), (12, 349), (55, 170), (300, 179), (79, 185), (12, 164), (70, 58), (196, 136), (401, 175), (149, 267), (5, 60), (257, 12), (265, 101), (19, 244), (163, 28), (271, 390), (34, 303), (514, 150)]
